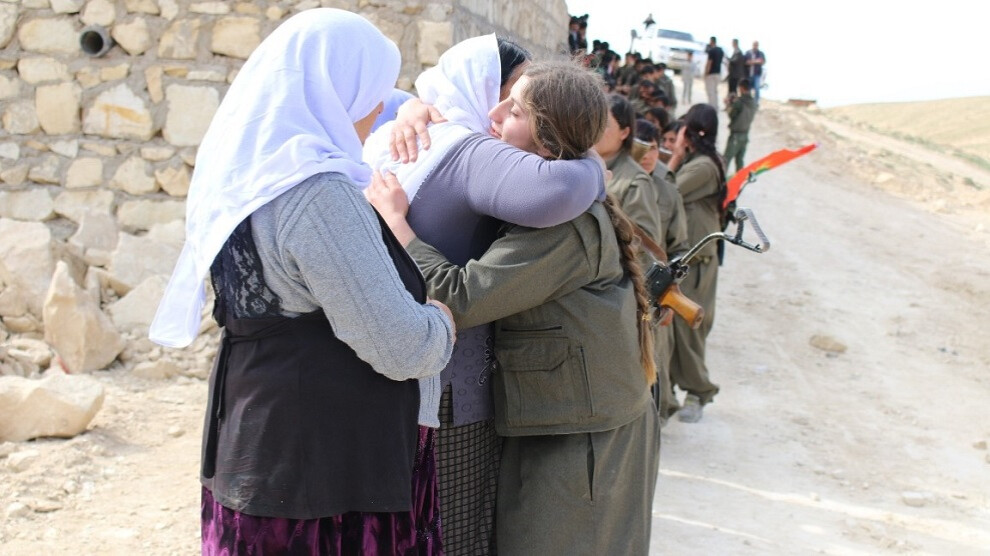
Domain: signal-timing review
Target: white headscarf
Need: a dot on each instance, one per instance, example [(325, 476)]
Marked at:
[(464, 86), (287, 116)]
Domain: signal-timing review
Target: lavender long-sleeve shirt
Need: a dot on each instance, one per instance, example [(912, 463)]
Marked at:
[(480, 183)]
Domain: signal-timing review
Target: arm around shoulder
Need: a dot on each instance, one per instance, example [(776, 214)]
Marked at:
[(523, 269), (527, 189), (345, 265)]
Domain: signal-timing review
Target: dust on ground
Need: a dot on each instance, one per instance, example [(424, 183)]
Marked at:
[(880, 447)]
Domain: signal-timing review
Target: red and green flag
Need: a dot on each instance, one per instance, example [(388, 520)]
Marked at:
[(749, 173)]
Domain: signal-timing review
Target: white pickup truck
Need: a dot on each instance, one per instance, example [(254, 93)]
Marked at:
[(670, 47)]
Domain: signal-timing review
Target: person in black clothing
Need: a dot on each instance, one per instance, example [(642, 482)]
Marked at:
[(576, 41), (755, 59), (713, 71), (737, 67)]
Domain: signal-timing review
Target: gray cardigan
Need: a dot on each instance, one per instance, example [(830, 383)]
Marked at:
[(320, 247)]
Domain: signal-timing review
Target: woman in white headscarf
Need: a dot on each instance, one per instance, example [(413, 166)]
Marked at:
[(463, 189), (311, 442)]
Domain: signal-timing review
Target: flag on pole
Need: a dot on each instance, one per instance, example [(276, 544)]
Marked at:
[(749, 173)]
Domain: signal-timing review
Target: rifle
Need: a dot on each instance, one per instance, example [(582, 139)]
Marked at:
[(661, 278)]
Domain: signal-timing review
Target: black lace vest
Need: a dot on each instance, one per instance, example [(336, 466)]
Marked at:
[(297, 425)]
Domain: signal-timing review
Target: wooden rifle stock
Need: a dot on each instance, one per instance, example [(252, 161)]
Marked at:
[(691, 312), (672, 297)]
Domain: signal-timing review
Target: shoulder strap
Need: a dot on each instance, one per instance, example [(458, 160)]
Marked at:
[(647, 242)]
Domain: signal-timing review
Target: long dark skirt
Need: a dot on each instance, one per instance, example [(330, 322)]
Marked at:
[(227, 532), (468, 459)]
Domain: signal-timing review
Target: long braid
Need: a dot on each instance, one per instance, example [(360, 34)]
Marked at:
[(701, 129), (629, 248), (707, 148)]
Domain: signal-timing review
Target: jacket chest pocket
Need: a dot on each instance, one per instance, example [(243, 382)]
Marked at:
[(543, 381)]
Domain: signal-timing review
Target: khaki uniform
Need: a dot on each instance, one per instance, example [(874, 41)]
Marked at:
[(637, 196), (643, 199), (580, 456), (741, 115), (673, 230), (666, 84), (698, 182)]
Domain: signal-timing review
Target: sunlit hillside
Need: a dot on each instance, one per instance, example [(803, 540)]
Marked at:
[(958, 126)]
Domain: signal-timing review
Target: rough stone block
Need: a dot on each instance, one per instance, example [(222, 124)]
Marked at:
[(84, 172), (67, 6), (75, 204), (10, 87), (175, 181), (20, 118), (119, 113), (153, 80), (57, 405), (190, 110), (33, 205), (135, 311), (81, 334), (435, 37), (236, 36), (10, 151), (133, 177), (137, 258), (141, 6), (157, 154), (27, 259), (14, 175), (8, 22), (169, 9), (209, 8), (58, 108), (99, 12), (143, 214), (88, 77), (157, 370), (133, 37), (49, 36), (42, 68), (47, 171), (96, 231), (114, 73), (68, 148), (179, 40), (12, 302)]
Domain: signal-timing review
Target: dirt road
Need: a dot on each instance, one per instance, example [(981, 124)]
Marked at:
[(877, 449)]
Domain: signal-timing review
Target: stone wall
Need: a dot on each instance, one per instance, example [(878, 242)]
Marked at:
[(96, 152)]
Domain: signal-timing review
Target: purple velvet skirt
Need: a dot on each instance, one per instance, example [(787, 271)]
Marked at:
[(417, 532)]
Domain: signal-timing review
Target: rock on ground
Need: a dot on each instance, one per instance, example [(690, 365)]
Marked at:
[(56, 405)]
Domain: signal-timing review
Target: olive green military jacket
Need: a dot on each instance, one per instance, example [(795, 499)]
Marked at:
[(741, 114), (667, 85), (565, 337), (673, 220), (698, 182), (636, 193)]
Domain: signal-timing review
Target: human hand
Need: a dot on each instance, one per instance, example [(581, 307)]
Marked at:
[(386, 195), (681, 143), (446, 311), (679, 150), (410, 125), (388, 198), (665, 316)]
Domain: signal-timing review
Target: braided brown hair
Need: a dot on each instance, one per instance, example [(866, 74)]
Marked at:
[(629, 247), (568, 112)]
